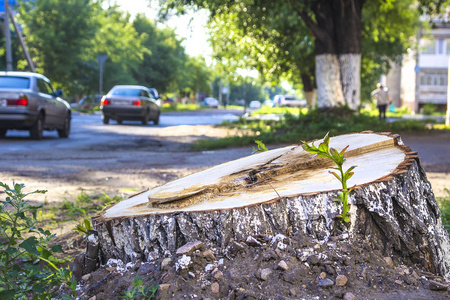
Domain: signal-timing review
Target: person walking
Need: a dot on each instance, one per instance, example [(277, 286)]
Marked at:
[(382, 98)]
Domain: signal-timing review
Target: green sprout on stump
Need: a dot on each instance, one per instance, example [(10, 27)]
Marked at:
[(338, 158)]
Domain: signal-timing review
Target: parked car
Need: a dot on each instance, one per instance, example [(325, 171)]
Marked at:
[(255, 104), (130, 102), (210, 102), (89, 102), (29, 102), (291, 101)]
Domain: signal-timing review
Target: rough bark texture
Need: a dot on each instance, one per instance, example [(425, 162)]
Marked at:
[(350, 66), (397, 213), (328, 78)]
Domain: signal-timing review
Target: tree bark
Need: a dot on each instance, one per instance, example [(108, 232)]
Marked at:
[(337, 31), (286, 191)]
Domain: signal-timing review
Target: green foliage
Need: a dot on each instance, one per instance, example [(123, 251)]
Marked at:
[(444, 205), (338, 158), (261, 147), (27, 268), (83, 205), (140, 290), (429, 109), (84, 227), (316, 122)]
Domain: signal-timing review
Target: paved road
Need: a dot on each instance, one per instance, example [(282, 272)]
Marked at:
[(110, 158)]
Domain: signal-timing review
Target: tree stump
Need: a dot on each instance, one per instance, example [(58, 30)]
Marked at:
[(289, 192)]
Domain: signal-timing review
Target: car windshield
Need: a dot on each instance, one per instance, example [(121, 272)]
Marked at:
[(289, 98), (126, 92), (14, 82)]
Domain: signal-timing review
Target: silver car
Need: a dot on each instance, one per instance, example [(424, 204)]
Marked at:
[(130, 102), (29, 102)]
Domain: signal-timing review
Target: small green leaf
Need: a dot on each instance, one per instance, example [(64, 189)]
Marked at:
[(7, 295), (57, 249), (335, 175), (30, 245), (343, 151)]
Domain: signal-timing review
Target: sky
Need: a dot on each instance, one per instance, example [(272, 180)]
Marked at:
[(190, 27)]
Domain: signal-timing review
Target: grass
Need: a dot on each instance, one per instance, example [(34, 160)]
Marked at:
[(311, 125), (444, 205)]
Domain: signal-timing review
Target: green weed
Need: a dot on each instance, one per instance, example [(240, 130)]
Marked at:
[(343, 176), (140, 290), (444, 205), (28, 267)]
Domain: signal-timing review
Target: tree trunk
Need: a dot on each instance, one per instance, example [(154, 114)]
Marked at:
[(286, 191), (337, 32)]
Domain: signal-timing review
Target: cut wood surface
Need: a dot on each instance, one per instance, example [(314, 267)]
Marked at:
[(287, 191)]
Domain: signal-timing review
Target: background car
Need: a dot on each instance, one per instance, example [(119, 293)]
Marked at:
[(291, 101), (89, 102), (130, 102), (29, 102), (255, 104), (210, 102)]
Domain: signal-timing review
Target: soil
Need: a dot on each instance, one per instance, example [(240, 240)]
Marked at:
[(244, 269)]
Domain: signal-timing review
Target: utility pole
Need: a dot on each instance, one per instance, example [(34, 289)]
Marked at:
[(7, 34), (101, 60)]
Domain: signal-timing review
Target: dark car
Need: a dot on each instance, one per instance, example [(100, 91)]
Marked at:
[(29, 102), (130, 102)]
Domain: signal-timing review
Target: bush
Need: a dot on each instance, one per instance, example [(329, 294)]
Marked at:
[(27, 268)]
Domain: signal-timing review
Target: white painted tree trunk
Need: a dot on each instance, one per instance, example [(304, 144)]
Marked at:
[(286, 191), (338, 80), (351, 79), (328, 80), (311, 98)]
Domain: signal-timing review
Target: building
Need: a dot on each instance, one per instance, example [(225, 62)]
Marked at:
[(423, 78)]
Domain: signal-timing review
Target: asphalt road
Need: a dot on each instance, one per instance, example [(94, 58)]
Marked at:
[(115, 158)]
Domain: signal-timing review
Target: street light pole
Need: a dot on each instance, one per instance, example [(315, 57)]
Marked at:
[(101, 60), (7, 34)]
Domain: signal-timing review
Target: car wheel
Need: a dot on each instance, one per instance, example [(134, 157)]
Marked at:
[(145, 119), (3, 132), (105, 120), (119, 122), (65, 130), (156, 121), (37, 131)]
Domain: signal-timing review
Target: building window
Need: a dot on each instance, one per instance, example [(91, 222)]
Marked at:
[(427, 46), (440, 46), (433, 77), (447, 42)]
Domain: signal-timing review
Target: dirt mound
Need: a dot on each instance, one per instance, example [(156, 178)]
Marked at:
[(270, 267)]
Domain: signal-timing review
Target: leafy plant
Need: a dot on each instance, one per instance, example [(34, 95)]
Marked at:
[(84, 227), (27, 269), (261, 147), (139, 289), (338, 158)]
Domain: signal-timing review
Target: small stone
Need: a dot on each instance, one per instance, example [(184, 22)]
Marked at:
[(86, 277), (235, 247), (325, 283), (323, 275), (265, 274), (152, 256), (278, 252), (221, 261), (437, 286), (292, 292), (191, 275), (165, 264), (251, 241), (189, 248), (313, 260), (218, 275), (399, 282), (145, 268), (282, 265), (93, 298), (215, 288), (389, 261), (164, 287), (349, 296), (209, 267), (209, 255), (341, 280), (111, 269)]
